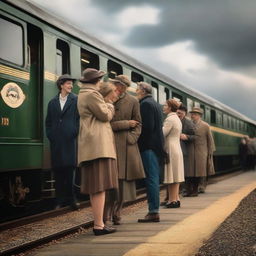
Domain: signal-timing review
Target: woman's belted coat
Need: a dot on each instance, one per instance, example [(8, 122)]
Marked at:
[(96, 138)]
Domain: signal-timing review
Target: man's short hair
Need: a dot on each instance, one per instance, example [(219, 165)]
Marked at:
[(183, 108), (146, 87)]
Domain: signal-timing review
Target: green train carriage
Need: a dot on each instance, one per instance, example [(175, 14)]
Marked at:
[(35, 49)]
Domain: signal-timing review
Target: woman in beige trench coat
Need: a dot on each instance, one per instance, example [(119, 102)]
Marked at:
[(126, 125), (96, 149), (174, 166)]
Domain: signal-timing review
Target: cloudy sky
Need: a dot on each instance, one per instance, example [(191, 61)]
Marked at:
[(204, 44)]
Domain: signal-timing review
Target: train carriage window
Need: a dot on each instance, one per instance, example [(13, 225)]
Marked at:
[(233, 123), (246, 127), (89, 60), (11, 47), (190, 104), (177, 96), (219, 118), (225, 120), (136, 78), (213, 116), (155, 91), (203, 108), (162, 94), (62, 58), (237, 124), (167, 91), (229, 122), (197, 104), (114, 69), (241, 125)]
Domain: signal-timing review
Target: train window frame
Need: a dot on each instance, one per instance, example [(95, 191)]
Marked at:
[(177, 96), (213, 116), (136, 77), (197, 104), (93, 62), (112, 73), (229, 122), (162, 94), (190, 104), (219, 118), (155, 91), (23, 46), (225, 120), (167, 91), (64, 57)]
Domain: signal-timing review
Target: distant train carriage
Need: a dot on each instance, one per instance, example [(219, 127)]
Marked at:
[(35, 49)]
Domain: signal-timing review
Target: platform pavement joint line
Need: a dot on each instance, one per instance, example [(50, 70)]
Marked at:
[(187, 236)]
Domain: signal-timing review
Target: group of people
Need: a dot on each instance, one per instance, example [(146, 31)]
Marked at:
[(247, 153), (116, 139)]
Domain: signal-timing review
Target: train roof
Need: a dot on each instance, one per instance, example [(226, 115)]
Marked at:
[(48, 17)]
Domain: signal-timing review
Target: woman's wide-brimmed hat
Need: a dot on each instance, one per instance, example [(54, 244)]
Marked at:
[(121, 79), (89, 74), (197, 110)]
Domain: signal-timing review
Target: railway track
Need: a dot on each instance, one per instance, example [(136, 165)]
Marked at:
[(25, 246)]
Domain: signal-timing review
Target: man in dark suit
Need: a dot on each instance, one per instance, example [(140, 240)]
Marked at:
[(62, 126), (151, 143), (186, 137)]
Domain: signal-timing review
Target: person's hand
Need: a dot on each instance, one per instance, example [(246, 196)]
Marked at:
[(133, 123), (183, 136)]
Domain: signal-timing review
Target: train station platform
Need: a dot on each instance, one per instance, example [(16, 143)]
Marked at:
[(181, 231)]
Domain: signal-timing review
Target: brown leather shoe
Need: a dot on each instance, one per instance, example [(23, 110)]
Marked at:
[(150, 217)]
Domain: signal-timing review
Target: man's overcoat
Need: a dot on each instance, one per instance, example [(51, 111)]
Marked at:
[(130, 165), (202, 148), (62, 128)]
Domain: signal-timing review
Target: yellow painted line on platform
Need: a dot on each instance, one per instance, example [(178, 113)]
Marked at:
[(187, 236)]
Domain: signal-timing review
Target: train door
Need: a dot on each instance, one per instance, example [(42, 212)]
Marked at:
[(20, 95), (20, 115), (35, 39)]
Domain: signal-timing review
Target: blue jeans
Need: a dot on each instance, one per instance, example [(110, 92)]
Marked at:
[(152, 171)]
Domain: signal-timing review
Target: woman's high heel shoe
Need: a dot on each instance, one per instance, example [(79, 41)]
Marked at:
[(106, 230), (173, 204)]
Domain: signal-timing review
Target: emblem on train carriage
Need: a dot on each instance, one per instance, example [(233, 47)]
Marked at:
[(12, 95)]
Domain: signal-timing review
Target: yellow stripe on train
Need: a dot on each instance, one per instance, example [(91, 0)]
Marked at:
[(14, 72), (221, 130)]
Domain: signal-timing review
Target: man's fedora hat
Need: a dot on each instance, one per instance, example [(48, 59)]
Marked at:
[(89, 74), (121, 79), (65, 77), (197, 110)]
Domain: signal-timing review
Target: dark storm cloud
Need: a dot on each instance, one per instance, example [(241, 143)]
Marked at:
[(221, 29)]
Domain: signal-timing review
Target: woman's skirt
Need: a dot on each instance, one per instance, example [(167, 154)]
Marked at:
[(98, 175)]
